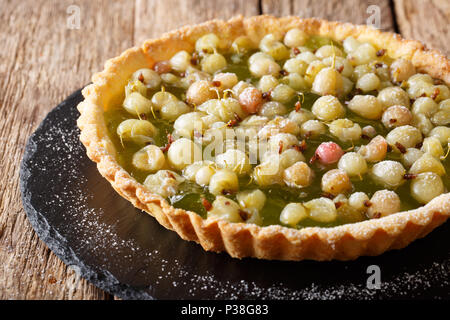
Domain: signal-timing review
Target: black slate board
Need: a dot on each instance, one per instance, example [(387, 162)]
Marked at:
[(127, 253)]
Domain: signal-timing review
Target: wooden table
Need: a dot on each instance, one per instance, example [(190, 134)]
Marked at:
[(43, 61)]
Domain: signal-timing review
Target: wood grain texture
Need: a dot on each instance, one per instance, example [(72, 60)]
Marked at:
[(355, 11), (42, 62), (152, 18), (426, 21)]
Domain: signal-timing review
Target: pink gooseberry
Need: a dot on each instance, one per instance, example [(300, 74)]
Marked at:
[(328, 153)]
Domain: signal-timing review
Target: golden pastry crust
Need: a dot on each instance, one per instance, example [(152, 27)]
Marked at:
[(345, 242)]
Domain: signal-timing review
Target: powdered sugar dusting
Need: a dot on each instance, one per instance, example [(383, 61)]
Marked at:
[(69, 188), (402, 285)]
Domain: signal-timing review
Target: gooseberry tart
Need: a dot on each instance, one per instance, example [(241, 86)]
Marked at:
[(277, 138)]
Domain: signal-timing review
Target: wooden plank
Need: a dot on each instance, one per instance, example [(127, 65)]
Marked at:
[(355, 11), (152, 18), (40, 67), (43, 61), (426, 21)]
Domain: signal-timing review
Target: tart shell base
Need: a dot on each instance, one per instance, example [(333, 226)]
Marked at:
[(345, 242)]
